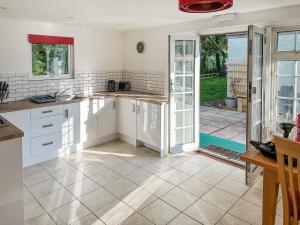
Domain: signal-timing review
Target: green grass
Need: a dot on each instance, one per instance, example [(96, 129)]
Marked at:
[(213, 89)]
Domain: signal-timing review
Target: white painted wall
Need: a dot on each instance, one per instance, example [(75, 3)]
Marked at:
[(95, 49), (156, 56)]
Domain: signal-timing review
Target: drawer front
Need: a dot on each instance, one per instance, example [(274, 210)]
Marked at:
[(46, 125), (46, 144), (46, 111)]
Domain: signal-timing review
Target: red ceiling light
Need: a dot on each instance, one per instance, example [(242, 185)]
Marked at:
[(204, 6)]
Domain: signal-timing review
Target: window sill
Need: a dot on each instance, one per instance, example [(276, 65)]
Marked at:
[(48, 77)]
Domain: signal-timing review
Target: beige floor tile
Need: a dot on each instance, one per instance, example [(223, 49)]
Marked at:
[(112, 161), (32, 210), (124, 168), (202, 161), (174, 176), (35, 178), (138, 199), (137, 219), (120, 187), (279, 220), (220, 199), (232, 187), (173, 160), (179, 199), (45, 188), (141, 161), (209, 176), (97, 199), (183, 219), (114, 213), (159, 212), (27, 196), (69, 213), (279, 210), (247, 212), (59, 169), (195, 186), (254, 196), (221, 168), (238, 175), (140, 176), (188, 168), (88, 220), (70, 177), (157, 186), (105, 177), (204, 212), (91, 169), (259, 183), (157, 168), (231, 220), (41, 220), (56, 199), (32, 169), (82, 187)]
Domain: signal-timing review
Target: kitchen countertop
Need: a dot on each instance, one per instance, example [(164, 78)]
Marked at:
[(9, 132), (27, 104)]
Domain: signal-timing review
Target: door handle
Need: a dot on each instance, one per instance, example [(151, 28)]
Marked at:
[(114, 105), (133, 107), (66, 113), (138, 109)]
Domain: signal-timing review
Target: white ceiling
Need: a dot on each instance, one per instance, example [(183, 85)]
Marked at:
[(120, 14)]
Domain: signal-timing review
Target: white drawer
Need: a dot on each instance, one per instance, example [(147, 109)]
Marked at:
[(46, 144), (46, 125), (46, 111)]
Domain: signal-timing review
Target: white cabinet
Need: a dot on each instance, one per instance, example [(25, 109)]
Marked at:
[(43, 146), (88, 120), (149, 125), (127, 117), (46, 125), (107, 117), (21, 119), (46, 111), (71, 127)]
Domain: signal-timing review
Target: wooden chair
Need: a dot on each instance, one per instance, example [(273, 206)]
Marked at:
[(289, 177)]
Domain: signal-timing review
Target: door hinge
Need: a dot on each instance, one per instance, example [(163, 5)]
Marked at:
[(250, 91)]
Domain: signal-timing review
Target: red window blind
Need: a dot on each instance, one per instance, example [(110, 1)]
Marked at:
[(45, 39)]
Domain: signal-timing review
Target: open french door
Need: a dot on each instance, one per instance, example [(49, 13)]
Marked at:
[(256, 74), (184, 93)]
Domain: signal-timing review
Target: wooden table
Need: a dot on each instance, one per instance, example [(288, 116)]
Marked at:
[(270, 183)]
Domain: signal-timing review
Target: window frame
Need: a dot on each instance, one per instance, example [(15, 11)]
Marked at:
[(283, 56), (70, 75)]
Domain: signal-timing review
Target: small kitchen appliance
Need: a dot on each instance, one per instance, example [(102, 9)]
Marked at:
[(124, 86), (112, 85), (287, 128)]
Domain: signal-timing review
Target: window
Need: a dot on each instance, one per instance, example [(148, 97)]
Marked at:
[(287, 73), (51, 56)]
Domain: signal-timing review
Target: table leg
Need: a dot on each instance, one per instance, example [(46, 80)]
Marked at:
[(270, 195)]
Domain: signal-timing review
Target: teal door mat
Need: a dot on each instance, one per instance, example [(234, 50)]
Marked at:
[(207, 139)]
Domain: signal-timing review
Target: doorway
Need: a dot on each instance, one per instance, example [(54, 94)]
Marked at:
[(223, 95)]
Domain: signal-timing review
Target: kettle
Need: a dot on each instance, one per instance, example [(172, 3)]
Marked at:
[(112, 85)]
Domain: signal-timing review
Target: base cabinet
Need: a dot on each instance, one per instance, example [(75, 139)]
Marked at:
[(127, 117), (149, 123), (88, 120), (107, 117)]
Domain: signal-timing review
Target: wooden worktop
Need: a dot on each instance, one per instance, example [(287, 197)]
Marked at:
[(9, 132), (27, 104)]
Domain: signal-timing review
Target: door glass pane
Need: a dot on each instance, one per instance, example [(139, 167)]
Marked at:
[(178, 84), (286, 41), (298, 87), (189, 118), (188, 101), (178, 67), (179, 119), (188, 135), (285, 86), (188, 84), (189, 67), (298, 41), (286, 68), (178, 48), (179, 136), (298, 68), (189, 48), (285, 109), (178, 101), (298, 107)]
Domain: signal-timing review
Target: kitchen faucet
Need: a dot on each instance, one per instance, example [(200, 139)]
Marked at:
[(56, 95)]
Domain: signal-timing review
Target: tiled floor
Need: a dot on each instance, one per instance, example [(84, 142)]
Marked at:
[(223, 123), (116, 184)]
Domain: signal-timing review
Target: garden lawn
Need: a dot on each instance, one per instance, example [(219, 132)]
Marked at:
[(213, 89)]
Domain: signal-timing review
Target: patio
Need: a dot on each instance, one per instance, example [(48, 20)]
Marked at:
[(222, 123)]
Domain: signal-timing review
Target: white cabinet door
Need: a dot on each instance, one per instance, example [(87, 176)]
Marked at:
[(71, 126), (88, 120), (127, 117), (21, 119), (149, 126), (107, 117)]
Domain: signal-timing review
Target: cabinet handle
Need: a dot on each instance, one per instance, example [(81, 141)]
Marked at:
[(47, 111), (49, 143), (133, 107), (66, 113), (114, 105), (138, 109), (48, 125)]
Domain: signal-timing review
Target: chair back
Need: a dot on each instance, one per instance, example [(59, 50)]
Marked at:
[(288, 153)]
